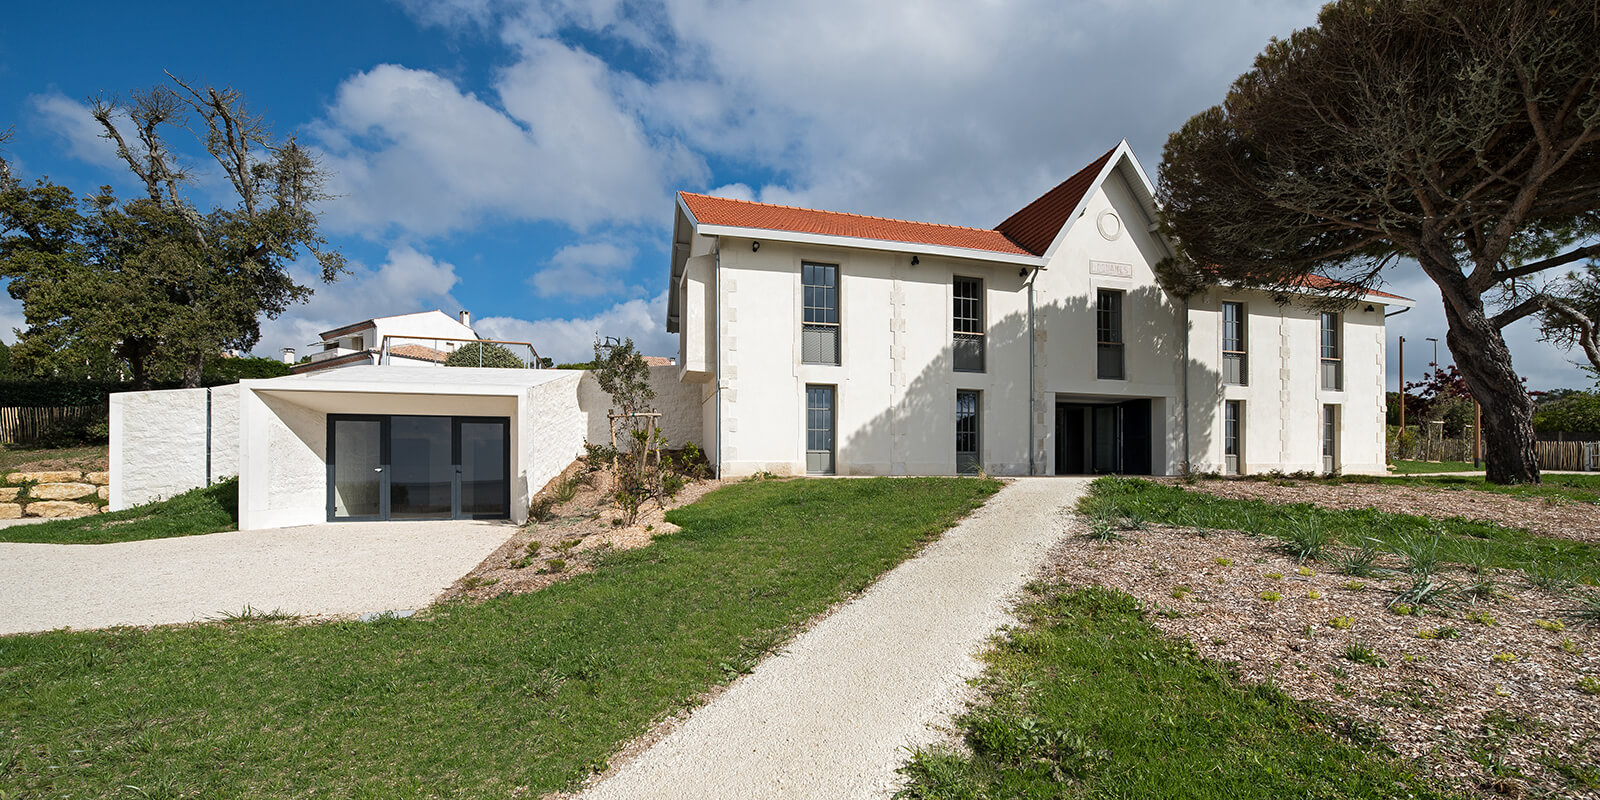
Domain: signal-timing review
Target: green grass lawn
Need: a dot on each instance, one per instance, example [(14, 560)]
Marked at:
[(1413, 467), (86, 458), (207, 510), (1086, 700), (1461, 541), (516, 696)]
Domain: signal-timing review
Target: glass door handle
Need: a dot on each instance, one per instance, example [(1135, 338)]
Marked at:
[(377, 469)]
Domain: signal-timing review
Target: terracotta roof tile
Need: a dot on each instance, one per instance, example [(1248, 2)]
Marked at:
[(1324, 282), (419, 352), (1037, 224), (709, 210)]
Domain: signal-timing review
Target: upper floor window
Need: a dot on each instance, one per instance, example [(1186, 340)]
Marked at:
[(358, 343), (1235, 370), (1108, 335), (819, 331), (1332, 352), (967, 323)]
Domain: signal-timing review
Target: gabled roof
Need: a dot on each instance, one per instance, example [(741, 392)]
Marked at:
[(722, 211), (1324, 283), (1036, 225)]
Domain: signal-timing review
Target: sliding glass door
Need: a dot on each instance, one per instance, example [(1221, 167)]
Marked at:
[(418, 467)]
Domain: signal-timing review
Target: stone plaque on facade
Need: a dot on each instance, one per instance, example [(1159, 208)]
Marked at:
[(1111, 268)]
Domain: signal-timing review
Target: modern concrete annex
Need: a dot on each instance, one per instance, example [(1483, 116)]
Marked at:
[(837, 343)]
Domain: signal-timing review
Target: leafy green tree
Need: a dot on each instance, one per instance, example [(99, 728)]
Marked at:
[(1571, 412), (1463, 134), (155, 282), (484, 354)]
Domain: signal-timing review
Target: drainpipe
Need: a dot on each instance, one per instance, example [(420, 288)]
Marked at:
[(716, 332), (1187, 466), (1033, 400), (208, 436)]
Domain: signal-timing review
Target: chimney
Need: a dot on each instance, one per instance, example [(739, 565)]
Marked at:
[(288, 355), (466, 318)]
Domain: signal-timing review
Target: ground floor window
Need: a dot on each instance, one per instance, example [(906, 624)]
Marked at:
[(418, 467), (1232, 436), (968, 461), (819, 429), (1330, 438)]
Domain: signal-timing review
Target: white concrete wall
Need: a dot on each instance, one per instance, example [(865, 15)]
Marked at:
[(679, 404), (158, 442), (555, 428)]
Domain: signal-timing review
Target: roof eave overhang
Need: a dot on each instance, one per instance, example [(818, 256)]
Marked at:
[(683, 230), (1366, 297), (916, 248)]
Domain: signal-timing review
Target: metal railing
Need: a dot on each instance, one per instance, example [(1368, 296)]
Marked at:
[(441, 351)]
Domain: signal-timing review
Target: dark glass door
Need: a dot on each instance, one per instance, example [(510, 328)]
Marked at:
[(485, 455), (418, 467), (355, 468)]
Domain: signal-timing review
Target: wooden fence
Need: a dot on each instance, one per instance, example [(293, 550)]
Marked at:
[(1568, 455), (29, 425)]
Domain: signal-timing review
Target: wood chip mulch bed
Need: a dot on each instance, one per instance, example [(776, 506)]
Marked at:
[(1554, 517), (1497, 711), (587, 524)]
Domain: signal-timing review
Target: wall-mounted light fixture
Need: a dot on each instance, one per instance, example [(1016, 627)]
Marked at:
[(1022, 273), (1370, 309), (915, 260), (755, 246)]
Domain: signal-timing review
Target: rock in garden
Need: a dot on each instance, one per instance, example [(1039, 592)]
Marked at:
[(44, 477), (98, 478), (10, 511), (60, 491), (60, 508)]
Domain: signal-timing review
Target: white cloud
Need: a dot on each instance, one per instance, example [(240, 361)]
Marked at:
[(73, 122), (11, 318), (586, 269), (572, 339), (407, 281), (410, 151)]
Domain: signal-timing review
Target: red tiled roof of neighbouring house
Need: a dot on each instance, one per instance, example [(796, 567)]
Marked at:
[(419, 352), (709, 210), (658, 361), (1322, 282), (1037, 224)]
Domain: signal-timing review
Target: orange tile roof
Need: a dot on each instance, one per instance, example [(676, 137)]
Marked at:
[(418, 351), (1038, 223), (1324, 282), (709, 210)]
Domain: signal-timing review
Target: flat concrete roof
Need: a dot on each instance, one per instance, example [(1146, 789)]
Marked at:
[(413, 380)]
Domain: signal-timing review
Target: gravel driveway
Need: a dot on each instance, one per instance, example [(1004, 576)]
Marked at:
[(316, 570), (832, 715)]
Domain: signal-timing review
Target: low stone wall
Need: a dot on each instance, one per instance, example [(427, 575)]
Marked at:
[(61, 493)]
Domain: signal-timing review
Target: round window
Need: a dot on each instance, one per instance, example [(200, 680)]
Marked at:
[(1110, 225)]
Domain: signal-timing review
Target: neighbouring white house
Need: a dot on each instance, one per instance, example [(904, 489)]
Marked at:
[(425, 338), (832, 343)]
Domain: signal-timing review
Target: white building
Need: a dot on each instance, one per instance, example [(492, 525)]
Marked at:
[(422, 339), (824, 342)]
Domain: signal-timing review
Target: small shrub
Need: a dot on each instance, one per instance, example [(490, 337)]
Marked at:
[(555, 565), (1550, 624), (1589, 684), (1271, 596), (1180, 592), (566, 490), (1275, 576), (1341, 623), (532, 548), (1570, 647), (1480, 617), (1402, 609), (1305, 539), (1441, 632), (1306, 572), (1357, 562), (1355, 586), (1314, 594), (1361, 653), (1224, 562), (1504, 658), (542, 508)]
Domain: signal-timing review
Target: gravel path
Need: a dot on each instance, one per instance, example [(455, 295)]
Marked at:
[(337, 569), (833, 714)]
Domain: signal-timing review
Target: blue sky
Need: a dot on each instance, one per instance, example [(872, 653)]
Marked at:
[(518, 158)]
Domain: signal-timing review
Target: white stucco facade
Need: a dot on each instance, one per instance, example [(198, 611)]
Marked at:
[(738, 308)]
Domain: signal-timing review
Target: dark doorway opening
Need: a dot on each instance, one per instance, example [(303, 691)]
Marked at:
[(1103, 438), (384, 467)]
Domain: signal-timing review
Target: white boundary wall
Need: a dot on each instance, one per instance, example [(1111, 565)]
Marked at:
[(159, 442)]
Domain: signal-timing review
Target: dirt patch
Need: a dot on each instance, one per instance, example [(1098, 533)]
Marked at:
[(1485, 708), (587, 523), (50, 462), (1554, 517)]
